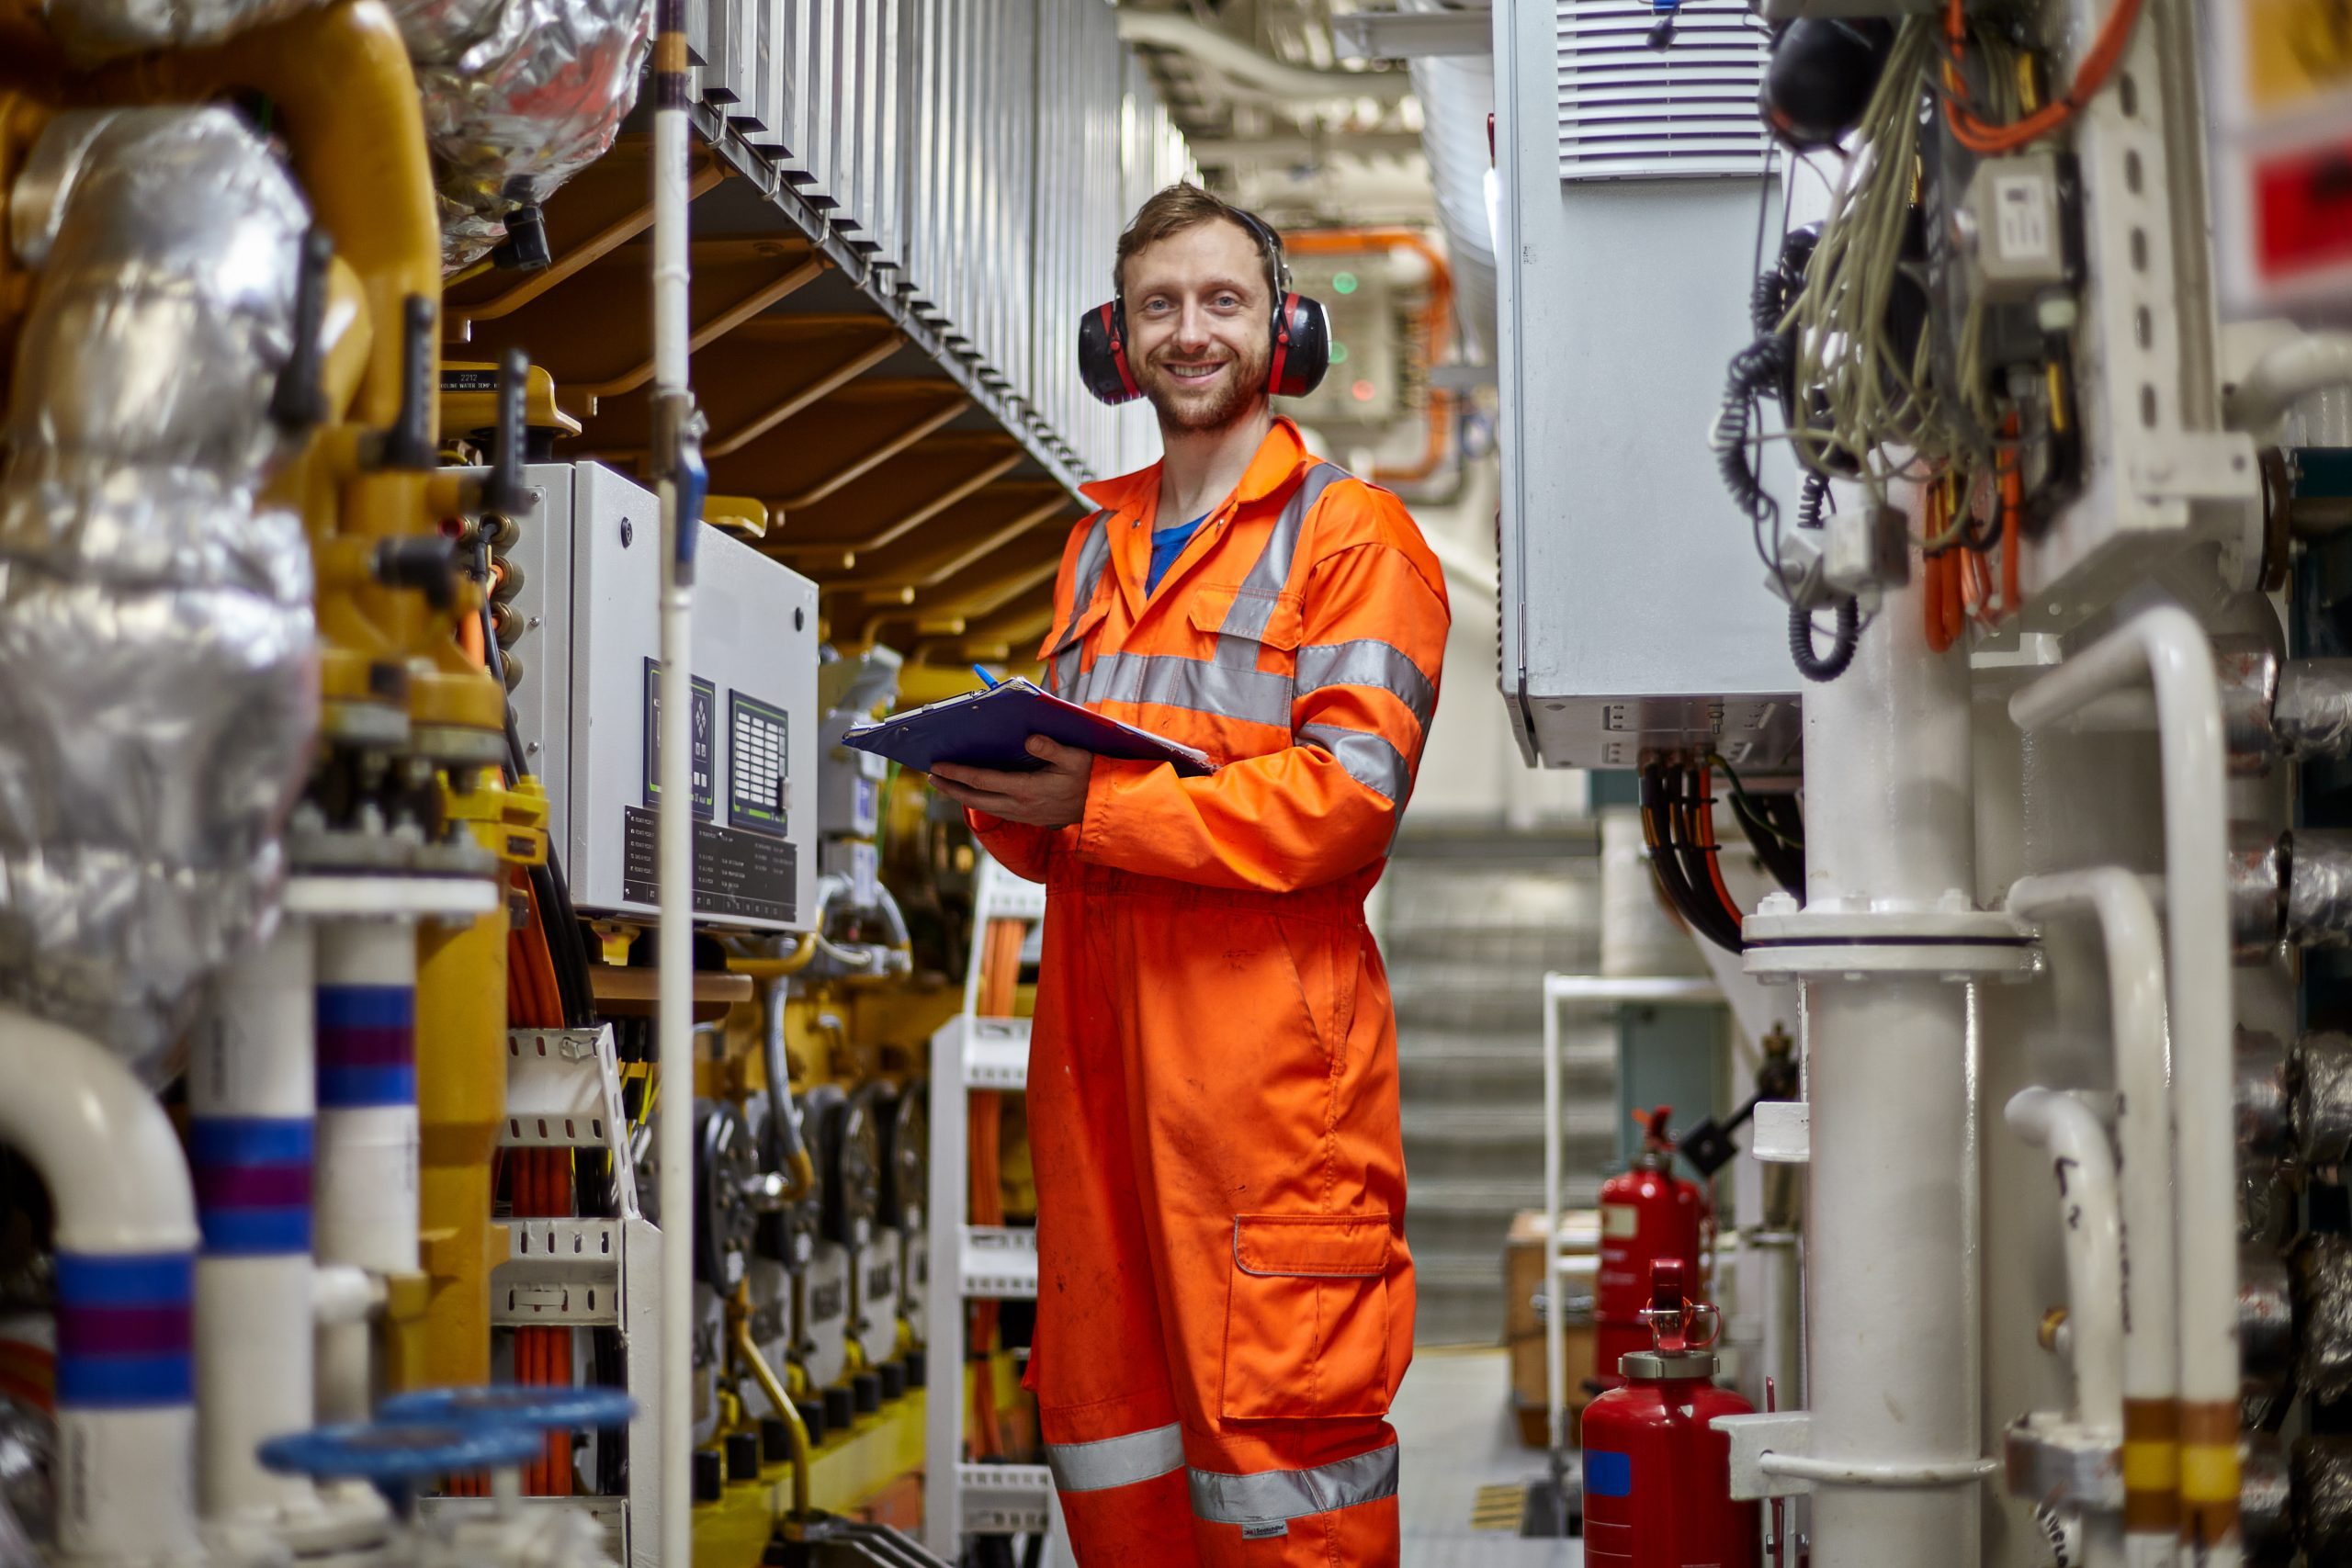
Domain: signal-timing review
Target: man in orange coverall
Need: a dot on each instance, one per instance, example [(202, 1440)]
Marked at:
[(1224, 1304)]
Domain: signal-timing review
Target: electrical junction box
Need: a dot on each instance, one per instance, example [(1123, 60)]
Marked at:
[(586, 705), (2013, 229), (1634, 611)]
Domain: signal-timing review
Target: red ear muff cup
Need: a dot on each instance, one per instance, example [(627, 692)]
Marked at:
[(1302, 347), (1102, 355)]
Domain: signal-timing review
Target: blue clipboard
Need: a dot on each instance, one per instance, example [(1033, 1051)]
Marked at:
[(991, 729)]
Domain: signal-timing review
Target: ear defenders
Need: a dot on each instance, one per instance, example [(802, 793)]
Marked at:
[(1300, 329)]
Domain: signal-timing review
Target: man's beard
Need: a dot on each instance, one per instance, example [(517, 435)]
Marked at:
[(1243, 384)]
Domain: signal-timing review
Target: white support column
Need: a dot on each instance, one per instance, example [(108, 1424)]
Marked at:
[(1886, 938)]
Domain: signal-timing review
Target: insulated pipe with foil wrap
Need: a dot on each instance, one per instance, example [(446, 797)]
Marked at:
[(95, 31), (126, 1240), (519, 95), (156, 638)]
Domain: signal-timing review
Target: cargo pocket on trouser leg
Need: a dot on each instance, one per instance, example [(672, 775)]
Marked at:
[(1306, 1319)]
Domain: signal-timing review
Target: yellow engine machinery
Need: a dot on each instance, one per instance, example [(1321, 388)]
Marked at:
[(333, 722)]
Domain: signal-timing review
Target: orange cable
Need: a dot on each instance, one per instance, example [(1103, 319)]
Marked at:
[(2106, 52), (1705, 837), (2012, 523)]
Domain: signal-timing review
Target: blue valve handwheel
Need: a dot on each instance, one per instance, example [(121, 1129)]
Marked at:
[(398, 1452), (536, 1408)]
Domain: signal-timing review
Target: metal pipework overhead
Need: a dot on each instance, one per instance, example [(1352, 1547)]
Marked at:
[(519, 95), (1297, 87)]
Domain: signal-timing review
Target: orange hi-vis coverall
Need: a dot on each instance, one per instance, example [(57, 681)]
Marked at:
[(1225, 1302)]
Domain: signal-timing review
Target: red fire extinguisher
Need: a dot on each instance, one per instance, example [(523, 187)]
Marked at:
[(1648, 1214), (1657, 1473)]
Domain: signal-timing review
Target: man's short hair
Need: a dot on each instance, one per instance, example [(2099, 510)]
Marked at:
[(1183, 205)]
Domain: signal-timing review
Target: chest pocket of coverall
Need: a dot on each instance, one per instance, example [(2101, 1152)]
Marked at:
[(1277, 622), (1307, 1325), (1063, 649)]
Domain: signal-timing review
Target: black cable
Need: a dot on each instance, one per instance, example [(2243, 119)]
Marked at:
[(1673, 863), (1813, 664), (1664, 864), (567, 949), (1813, 499), (1692, 819), (1786, 818), (1784, 863), (1754, 371)]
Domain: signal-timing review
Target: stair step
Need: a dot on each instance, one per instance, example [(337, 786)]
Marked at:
[(1510, 1121), (1475, 1194), (1458, 1273)]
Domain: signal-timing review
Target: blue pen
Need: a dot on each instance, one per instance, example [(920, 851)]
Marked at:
[(992, 682)]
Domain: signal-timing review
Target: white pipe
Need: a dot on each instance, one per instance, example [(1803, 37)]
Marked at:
[(368, 1136), (1556, 1333), (674, 892), (1891, 1261), (2167, 645), (2091, 1223), (126, 1235), (253, 1101), (2293, 370), (1239, 63), (2144, 1114), (343, 1301)]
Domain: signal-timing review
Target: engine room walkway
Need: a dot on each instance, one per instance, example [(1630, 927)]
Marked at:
[(1456, 1430)]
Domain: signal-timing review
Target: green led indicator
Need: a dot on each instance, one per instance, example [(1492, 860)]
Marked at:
[(1343, 283), (1339, 354)]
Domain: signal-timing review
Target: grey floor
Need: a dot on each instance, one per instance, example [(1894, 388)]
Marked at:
[(1456, 1431)]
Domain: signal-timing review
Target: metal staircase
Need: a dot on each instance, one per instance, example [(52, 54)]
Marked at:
[(1468, 933)]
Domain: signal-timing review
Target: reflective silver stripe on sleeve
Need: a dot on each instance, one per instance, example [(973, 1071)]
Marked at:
[(1253, 606), (1252, 696), (1368, 664), (1369, 759), (1116, 1461), (1094, 560), (1272, 1494)]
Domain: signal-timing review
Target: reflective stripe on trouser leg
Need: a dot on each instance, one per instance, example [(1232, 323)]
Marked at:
[(1116, 1461), (1269, 1496)]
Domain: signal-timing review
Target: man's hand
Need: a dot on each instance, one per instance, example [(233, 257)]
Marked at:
[(1054, 797)]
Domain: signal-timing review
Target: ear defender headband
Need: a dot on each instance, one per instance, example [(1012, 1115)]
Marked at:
[(1300, 330)]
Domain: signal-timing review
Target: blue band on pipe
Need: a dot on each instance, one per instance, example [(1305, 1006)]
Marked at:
[(249, 1139), (1608, 1475), (367, 1007), (363, 1088), (123, 1329), (138, 1278), (254, 1233), (124, 1381)]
